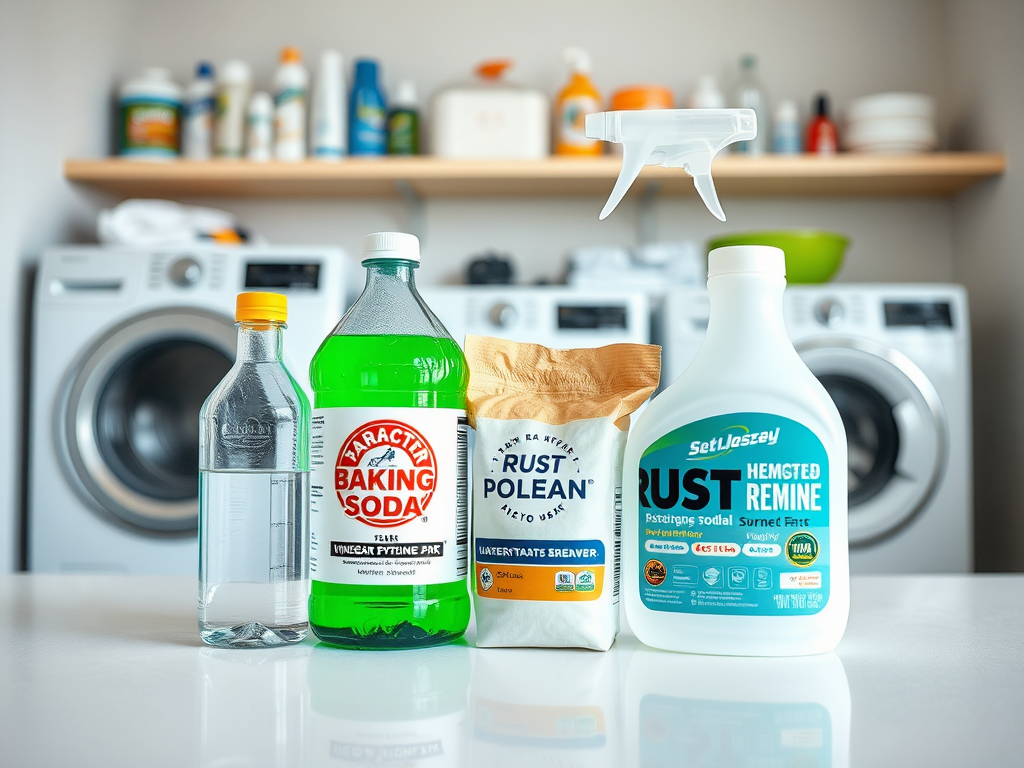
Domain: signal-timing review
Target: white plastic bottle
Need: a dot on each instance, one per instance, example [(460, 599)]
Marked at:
[(786, 130), (327, 124), (734, 509), (200, 105), (706, 95), (233, 87), (291, 92), (259, 141)]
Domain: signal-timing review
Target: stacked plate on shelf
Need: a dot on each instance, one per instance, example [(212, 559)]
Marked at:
[(891, 123)]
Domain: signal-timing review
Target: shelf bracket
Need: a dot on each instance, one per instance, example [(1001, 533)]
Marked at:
[(417, 209), (647, 218)]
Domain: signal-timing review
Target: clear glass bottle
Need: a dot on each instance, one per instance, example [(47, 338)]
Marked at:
[(254, 491), (751, 94)]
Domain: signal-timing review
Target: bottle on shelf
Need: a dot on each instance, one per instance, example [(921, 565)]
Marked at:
[(389, 523), (706, 95), (254, 490), (149, 108), (750, 93), (291, 94), (786, 129), (200, 105), (367, 117), (577, 99), (259, 140), (328, 134), (822, 135), (404, 121), (233, 87)]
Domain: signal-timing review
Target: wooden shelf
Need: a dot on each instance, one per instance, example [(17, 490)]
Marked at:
[(936, 174)]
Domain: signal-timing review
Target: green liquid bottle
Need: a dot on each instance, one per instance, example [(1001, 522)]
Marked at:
[(388, 507)]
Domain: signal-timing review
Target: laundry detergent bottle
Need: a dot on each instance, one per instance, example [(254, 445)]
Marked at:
[(734, 489)]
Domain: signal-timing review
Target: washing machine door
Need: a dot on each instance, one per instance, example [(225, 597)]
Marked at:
[(128, 416), (895, 430)]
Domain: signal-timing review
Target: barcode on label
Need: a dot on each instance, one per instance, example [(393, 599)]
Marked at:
[(462, 499), (618, 544)]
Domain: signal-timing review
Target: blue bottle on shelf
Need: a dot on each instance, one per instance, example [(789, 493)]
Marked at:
[(367, 118)]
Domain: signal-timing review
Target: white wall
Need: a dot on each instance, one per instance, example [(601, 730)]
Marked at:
[(60, 59), (986, 66)]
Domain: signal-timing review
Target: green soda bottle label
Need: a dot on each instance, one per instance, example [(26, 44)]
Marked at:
[(388, 496), (734, 518)]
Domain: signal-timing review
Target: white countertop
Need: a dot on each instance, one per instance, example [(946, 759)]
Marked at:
[(109, 670)]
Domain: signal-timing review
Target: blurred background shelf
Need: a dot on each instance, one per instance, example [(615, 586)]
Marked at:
[(935, 174)]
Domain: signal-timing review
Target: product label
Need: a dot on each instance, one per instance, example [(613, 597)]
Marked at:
[(388, 496), (150, 126), (734, 518), (548, 503), (573, 118), (290, 118)]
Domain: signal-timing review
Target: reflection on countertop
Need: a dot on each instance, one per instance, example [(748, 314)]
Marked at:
[(109, 671)]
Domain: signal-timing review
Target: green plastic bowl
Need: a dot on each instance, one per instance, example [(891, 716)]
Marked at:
[(811, 256)]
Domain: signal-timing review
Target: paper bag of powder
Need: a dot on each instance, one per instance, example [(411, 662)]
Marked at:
[(547, 487)]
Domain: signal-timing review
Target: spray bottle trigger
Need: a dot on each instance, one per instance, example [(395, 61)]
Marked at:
[(634, 157)]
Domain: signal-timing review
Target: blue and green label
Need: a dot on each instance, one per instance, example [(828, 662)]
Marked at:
[(734, 518)]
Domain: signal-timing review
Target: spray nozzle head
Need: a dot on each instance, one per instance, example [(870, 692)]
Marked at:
[(673, 138), (577, 59)]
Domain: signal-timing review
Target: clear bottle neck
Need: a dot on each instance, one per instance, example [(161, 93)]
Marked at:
[(390, 304), (260, 342), (390, 275)]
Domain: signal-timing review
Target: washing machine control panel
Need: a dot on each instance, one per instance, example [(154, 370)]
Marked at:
[(185, 272), (829, 312)]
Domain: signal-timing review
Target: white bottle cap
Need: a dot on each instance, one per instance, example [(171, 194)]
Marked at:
[(577, 59), (787, 112), (261, 105), (405, 94), (392, 245), (736, 259), (235, 72)]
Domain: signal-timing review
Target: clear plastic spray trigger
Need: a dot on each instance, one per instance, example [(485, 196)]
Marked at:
[(674, 138)]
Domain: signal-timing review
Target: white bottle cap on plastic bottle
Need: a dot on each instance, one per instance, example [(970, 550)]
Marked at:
[(737, 259), (235, 72), (391, 245), (405, 95)]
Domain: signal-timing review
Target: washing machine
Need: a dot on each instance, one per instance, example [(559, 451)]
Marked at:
[(559, 317), (896, 361), (126, 346)]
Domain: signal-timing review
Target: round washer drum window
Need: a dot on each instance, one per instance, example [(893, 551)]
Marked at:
[(147, 416), (873, 438)]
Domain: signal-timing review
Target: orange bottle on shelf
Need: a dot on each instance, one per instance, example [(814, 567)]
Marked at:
[(578, 99)]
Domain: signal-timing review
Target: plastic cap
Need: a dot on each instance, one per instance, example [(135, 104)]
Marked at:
[(366, 69), (738, 259), (235, 71), (787, 112), (642, 97), (204, 69), (258, 305), (261, 104), (291, 55), (821, 105), (391, 245), (577, 59), (493, 69), (405, 94)]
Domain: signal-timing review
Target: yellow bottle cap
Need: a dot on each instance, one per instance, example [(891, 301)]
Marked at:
[(258, 305), (291, 55)]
